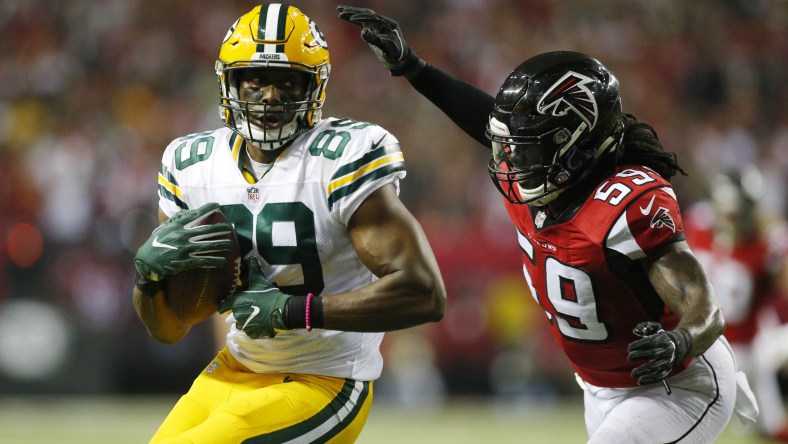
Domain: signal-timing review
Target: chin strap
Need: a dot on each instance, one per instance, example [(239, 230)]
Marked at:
[(605, 147)]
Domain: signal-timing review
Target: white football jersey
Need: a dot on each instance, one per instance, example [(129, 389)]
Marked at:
[(295, 220)]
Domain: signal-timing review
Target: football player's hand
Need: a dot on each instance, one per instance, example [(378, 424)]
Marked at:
[(663, 350), (385, 38), (258, 310), (177, 245)]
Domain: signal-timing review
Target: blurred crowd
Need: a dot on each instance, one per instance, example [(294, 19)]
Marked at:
[(92, 91)]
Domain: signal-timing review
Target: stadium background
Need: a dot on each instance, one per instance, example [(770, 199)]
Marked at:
[(92, 92)]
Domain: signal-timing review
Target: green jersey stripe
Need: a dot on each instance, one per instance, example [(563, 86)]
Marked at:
[(167, 181), (165, 193), (358, 183), (167, 175), (341, 425), (233, 137), (168, 186), (241, 154), (365, 159)]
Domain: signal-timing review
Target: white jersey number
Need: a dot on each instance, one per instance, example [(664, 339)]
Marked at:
[(571, 293)]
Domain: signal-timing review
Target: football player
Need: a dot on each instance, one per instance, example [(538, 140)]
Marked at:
[(334, 258), (742, 257), (600, 230)]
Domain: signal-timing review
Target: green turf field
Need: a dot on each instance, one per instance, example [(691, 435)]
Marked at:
[(133, 420)]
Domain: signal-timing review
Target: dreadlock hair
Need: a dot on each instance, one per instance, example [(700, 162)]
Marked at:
[(640, 145)]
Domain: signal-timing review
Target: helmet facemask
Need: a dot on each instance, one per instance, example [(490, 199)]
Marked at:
[(272, 41), (555, 117), (270, 124), (535, 169)]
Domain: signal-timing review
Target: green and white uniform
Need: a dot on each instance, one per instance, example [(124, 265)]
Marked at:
[(293, 217)]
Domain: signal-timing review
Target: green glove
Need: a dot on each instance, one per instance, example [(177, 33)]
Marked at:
[(385, 38), (259, 310), (178, 245)]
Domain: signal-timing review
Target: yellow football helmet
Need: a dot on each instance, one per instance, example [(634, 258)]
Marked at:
[(275, 37)]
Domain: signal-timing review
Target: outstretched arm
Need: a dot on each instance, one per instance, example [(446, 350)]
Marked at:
[(466, 105)]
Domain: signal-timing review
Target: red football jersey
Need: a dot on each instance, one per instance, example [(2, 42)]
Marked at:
[(740, 277), (583, 271)]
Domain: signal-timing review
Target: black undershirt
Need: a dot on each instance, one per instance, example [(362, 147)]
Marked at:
[(466, 105)]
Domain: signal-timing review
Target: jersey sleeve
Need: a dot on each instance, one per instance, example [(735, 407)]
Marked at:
[(372, 159), (171, 199), (650, 222)]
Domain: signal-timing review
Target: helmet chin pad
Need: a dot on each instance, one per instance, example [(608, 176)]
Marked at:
[(264, 139), (539, 196)]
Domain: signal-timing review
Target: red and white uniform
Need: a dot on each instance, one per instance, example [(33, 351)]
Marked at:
[(583, 271), (741, 275)]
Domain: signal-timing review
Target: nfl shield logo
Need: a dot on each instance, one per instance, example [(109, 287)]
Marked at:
[(539, 219), (212, 367), (253, 194)]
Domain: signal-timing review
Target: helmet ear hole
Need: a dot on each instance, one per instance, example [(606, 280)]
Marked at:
[(561, 177), (561, 136)]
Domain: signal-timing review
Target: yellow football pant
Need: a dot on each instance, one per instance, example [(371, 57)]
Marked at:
[(230, 404)]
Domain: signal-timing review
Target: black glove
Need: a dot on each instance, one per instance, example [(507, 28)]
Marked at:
[(664, 350), (385, 38)]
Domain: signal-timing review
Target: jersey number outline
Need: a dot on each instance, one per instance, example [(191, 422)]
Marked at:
[(616, 192), (331, 143), (570, 291), (294, 217), (200, 147), (299, 249)]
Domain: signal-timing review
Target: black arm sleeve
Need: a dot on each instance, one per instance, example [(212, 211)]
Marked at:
[(467, 106)]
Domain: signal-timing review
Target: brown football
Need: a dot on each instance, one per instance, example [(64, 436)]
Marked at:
[(194, 294)]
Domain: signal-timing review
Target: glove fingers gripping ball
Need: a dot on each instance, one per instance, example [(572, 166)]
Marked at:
[(194, 294)]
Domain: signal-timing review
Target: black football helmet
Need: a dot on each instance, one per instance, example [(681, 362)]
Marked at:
[(555, 117)]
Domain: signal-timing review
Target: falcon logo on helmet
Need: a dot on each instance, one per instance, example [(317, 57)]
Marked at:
[(569, 93)]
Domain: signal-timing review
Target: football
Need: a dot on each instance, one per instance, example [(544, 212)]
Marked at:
[(194, 294)]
